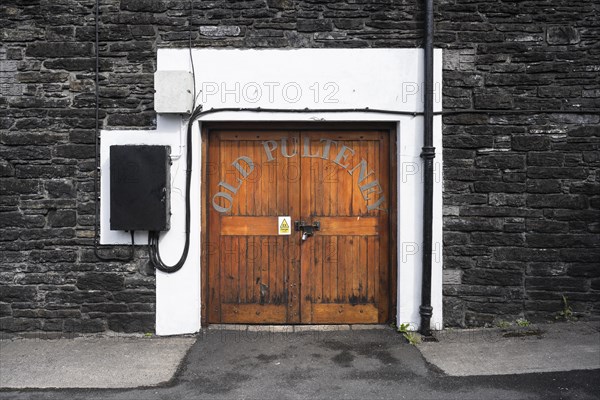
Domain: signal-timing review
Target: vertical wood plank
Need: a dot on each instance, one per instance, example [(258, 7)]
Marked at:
[(362, 269), (257, 187), (317, 292), (252, 179), (333, 268), (345, 187), (236, 259), (350, 268), (341, 270), (264, 284), (204, 259), (306, 205), (251, 266), (242, 261), (214, 273), (372, 277), (384, 223)]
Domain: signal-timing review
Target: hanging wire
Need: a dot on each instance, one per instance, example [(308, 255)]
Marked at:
[(97, 153)]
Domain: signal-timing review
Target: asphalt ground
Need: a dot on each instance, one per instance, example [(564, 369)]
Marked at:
[(91, 362), (551, 347), (342, 364)]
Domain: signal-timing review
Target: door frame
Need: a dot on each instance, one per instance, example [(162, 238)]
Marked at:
[(389, 127)]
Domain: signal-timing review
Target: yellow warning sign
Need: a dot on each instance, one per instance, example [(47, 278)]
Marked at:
[(284, 224)]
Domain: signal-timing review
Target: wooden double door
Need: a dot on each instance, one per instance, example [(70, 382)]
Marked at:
[(261, 273)]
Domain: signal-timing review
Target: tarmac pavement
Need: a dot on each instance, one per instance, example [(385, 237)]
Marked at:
[(516, 350), (333, 364), (91, 362)]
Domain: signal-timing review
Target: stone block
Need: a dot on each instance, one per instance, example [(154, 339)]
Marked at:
[(368, 327), (321, 328), (556, 35), (59, 49), (545, 158), (525, 254), (5, 310), (75, 151), (497, 239), (493, 101), (131, 322), (17, 293), (530, 143), (100, 281), (590, 255), (349, 23), (60, 188), (557, 172), (150, 6), (556, 283), (281, 4), (135, 296), (501, 161), (314, 25), (62, 218), (546, 269), (544, 186), (16, 219), (588, 270), (546, 226), (10, 324), (453, 312), (452, 276), (571, 201)]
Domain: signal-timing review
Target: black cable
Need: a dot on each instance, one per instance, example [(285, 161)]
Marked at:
[(154, 236), (518, 112), (190, 51), (392, 112), (307, 110)]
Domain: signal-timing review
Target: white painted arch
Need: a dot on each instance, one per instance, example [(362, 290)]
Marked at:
[(324, 79)]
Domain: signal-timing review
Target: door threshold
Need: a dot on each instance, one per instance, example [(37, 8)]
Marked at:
[(296, 328)]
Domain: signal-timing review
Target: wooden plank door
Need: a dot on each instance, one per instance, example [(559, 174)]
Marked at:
[(345, 187), (338, 178), (253, 272)]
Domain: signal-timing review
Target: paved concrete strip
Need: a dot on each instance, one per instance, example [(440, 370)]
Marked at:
[(90, 362), (561, 347)]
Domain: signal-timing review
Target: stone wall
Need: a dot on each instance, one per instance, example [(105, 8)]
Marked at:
[(521, 225)]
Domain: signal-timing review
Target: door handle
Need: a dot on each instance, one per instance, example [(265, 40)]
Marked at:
[(307, 230)]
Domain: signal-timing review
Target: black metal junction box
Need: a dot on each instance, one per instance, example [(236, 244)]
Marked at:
[(140, 188)]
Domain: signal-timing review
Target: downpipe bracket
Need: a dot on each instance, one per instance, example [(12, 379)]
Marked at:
[(428, 152)]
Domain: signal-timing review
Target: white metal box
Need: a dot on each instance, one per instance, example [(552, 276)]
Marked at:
[(173, 92)]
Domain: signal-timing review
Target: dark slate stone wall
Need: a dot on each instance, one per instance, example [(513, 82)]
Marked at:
[(521, 218)]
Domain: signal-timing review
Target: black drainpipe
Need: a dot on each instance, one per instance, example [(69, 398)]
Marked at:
[(428, 154)]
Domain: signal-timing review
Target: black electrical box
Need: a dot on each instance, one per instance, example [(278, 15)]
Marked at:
[(140, 188)]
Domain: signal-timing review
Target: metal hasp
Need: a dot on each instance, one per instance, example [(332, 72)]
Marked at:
[(428, 154), (307, 230), (140, 188)]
